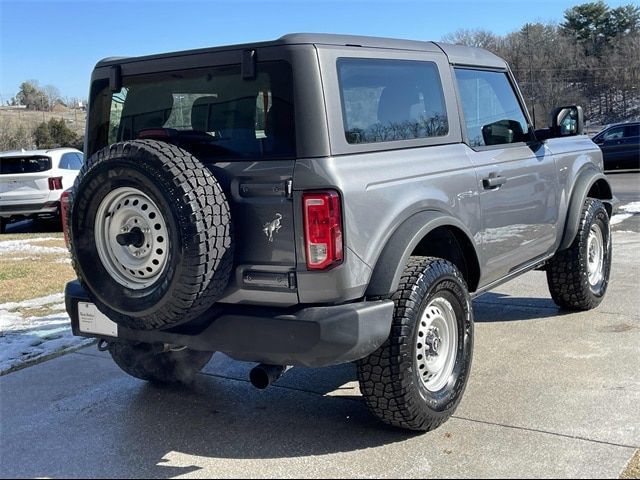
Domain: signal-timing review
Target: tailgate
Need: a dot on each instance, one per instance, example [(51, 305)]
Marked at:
[(263, 231), (24, 179)]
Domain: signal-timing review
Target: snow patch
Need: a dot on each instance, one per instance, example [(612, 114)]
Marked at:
[(25, 247), (633, 207), (56, 298), (629, 209), (23, 340), (37, 239), (619, 218)]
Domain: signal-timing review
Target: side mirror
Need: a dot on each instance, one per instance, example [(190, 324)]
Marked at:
[(567, 121)]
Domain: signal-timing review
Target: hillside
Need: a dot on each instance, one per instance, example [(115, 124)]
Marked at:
[(30, 119)]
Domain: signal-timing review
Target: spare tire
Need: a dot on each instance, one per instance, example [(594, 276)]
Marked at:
[(150, 234)]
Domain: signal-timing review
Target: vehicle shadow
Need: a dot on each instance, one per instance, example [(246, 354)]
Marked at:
[(34, 226), (498, 307), (159, 432)]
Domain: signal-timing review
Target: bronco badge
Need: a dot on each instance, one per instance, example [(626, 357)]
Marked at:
[(272, 227)]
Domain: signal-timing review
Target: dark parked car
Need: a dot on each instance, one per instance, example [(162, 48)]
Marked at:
[(620, 145)]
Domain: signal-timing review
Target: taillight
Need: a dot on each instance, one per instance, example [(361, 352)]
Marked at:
[(64, 208), (322, 229), (55, 183)]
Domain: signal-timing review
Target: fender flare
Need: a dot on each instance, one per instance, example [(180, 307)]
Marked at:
[(585, 181), (394, 256)]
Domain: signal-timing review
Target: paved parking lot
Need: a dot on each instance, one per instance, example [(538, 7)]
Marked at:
[(551, 394)]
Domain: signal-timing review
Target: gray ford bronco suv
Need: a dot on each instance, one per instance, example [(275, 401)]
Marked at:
[(322, 199)]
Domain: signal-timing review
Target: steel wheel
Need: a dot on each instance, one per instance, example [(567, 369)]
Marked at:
[(417, 377), (436, 344), (579, 275), (595, 254), (131, 237)]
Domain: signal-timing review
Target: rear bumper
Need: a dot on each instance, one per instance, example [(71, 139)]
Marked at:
[(30, 209), (314, 336)]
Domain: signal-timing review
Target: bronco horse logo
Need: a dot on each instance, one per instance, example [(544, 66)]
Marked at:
[(272, 227)]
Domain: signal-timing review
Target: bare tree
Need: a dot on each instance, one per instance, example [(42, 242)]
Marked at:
[(473, 38), (590, 59), (52, 94)]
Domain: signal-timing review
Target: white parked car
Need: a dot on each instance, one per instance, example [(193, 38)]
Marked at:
[(31, 182)]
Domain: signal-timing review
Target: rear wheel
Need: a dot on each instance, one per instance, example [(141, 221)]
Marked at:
[(578, 276), (416, 379), (2, 224), (152, 364)]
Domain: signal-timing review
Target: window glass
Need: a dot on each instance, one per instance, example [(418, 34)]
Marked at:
[(71, 161), (632, 131), (492, 113), (13, 165), (213, 112), (65, 161), (614, 134), (386, 100), (79, 161)]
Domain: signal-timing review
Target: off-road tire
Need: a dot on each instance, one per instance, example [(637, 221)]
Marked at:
[(198, 220), (389, 378), (567, 271), (148, 362)]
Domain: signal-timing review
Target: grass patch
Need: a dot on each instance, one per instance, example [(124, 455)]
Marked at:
[(38, 311), (30, 119), (36, 276), (14, 271), (633, 467)]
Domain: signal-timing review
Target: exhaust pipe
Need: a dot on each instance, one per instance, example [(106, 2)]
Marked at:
[(261, 376)]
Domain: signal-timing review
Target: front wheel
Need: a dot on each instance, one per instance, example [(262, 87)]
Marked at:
[(416, 379), (578, 276)]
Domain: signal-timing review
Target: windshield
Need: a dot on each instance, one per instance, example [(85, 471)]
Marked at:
[(213, 112)]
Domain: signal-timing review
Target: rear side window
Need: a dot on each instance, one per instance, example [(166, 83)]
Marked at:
[(614, 134), (16, 165), (214, 112), (71, 161), (632, 131), (492, 113), (387, 100)]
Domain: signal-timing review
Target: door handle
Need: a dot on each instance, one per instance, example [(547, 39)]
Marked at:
[(493, 181)]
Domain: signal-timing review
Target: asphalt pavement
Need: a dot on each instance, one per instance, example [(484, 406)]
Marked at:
[(551, 394)]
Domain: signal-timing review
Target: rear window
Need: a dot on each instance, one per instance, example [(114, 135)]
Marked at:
[(387, 100), (213, 111), (16, 165)]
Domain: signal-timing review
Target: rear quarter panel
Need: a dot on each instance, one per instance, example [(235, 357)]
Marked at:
[(379, 191), (381, 184)]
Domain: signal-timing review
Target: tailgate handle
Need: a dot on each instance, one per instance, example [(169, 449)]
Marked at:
[(263, 189)]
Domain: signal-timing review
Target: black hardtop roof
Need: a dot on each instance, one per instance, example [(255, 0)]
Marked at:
[(458, 54)]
